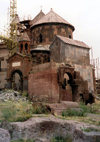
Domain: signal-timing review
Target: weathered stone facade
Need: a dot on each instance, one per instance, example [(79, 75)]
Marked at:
[(43, 83), (69, 53), (50, 65), (48, 33)]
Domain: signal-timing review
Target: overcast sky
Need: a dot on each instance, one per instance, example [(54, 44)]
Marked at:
[(83, 14)]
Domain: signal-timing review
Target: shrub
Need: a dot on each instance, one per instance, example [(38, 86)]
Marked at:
[(16, 111), (87, 109), (71, 112), (24, 94), (83, 110), (8, 113), (40, 109)]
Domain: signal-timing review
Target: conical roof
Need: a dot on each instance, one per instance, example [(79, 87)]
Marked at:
[(24, 37), (52, 17), (37, 17)]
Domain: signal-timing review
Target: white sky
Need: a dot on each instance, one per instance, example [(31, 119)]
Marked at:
[(83, 14)]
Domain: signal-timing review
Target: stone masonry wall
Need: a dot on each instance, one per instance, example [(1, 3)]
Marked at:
[(43, 83), (62, 52), (86, 72), (49, 32)]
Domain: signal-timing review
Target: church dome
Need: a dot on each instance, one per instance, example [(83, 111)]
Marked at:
[(52, 17)]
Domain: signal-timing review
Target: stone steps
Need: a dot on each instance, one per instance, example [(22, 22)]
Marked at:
[(58, 108)]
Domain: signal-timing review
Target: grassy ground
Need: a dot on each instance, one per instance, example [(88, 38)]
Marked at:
[(88, 114), (13, 111), (61, 139)]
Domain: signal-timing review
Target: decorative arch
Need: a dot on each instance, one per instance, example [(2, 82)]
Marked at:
[(17, 80), (67, 86)]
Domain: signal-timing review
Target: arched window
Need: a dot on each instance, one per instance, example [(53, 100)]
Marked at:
[(21, 48), (26, 46), (40, 38), (70, 36)]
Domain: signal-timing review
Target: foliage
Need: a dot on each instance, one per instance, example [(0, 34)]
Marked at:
[(15, 111), (20, 110), (84, 109), (87, 109), (9, 42), (25, 94), (71, 112), (62, 139), (40, 109), (8, 113)]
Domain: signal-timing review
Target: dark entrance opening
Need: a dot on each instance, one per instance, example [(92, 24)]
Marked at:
[(21, 48), (66, 91), (91, 99), (26, 48), (17, 80)]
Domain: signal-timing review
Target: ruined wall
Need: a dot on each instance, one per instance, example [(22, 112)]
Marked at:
[(3, 65), (43, 83), (48, 32), (98, 86), (78, 57), (86, 72)]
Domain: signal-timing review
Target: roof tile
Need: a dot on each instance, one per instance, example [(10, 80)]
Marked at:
[(73, 42), (51, 17)]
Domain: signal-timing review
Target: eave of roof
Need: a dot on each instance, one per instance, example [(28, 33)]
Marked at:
[(73, 42), (40, 49), (17, 53)]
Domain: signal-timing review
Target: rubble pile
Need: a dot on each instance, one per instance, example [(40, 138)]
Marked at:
[(4, 135), (11, 95)]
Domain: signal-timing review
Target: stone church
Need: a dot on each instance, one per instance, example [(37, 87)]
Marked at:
[(50, 65)]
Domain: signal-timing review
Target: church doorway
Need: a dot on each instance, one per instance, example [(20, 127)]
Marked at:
[(66, 91), (17, 80)]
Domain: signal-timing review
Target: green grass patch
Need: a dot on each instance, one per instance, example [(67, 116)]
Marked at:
[(71, 112), (90, 129), (61, 139), (40, 108), (81, 112), (13, 111)]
